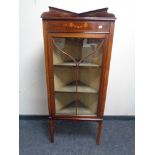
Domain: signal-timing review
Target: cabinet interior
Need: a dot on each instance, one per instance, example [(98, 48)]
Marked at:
[(77, 68)]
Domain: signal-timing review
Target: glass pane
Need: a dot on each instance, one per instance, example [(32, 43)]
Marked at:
[(88, 88), (65, 90), (77, 68), (64, 103), (87, 104)]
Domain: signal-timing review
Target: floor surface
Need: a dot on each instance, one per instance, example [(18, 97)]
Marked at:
[(77, 138)]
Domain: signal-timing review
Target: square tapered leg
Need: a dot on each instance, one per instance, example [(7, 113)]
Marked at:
[(99, 132), (52, 130)]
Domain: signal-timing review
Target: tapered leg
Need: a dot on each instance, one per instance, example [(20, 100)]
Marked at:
[(52, 130), (99, 132)]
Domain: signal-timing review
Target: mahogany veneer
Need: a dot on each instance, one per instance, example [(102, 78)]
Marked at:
[(77, 56)]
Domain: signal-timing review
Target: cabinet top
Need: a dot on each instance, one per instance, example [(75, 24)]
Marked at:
[(60, 14)]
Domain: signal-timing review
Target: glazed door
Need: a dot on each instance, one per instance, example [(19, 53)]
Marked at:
[(77, 66)]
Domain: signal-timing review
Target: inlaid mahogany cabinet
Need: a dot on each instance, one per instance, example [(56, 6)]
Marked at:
[(77, 57)]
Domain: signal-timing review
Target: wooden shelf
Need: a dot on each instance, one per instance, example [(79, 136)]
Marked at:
[(86, 89), (84, 111), (67, 88), (67, 111), (82, 88), (84, 64), (71, 109)]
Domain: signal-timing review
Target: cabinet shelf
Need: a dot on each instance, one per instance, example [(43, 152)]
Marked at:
[(81, 88), (71, 109), (72, 64)]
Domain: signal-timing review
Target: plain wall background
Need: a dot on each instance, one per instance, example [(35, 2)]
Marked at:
[(33, 94)]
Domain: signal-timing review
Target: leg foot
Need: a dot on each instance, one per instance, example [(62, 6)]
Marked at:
[(99, 133), (52, 130)]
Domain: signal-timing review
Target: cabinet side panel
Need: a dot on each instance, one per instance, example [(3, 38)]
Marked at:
[(105, 72), (47, 65)]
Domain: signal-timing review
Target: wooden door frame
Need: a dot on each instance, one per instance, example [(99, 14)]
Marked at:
[(51, 74)]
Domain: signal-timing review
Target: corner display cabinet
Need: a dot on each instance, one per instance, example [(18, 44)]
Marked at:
[(77, 57)]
